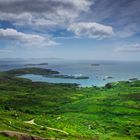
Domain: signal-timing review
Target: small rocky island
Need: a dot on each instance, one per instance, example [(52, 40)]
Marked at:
[(40, 64), (95, 64), (108, 77)]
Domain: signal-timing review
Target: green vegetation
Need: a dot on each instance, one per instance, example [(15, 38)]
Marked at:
[(6, 138), (39, 71), (66, 111)]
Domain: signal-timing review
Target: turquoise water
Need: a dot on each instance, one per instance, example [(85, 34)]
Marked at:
[(97, 74), (82, 82)]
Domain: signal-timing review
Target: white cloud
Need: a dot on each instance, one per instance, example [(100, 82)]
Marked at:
[(128, 31), (91, 30), (62, 13), (135, 48), (26, 39), (46, 13), (82, 5), (20, 19), (15, 35)]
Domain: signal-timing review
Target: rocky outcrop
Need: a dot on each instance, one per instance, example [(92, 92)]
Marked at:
[(21, 136)]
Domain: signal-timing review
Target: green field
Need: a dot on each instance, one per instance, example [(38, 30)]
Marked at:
[(65, 111)]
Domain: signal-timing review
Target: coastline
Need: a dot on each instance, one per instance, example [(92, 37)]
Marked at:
[(37, 74)]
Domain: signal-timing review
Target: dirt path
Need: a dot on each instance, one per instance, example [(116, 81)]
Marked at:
[(49, 128)]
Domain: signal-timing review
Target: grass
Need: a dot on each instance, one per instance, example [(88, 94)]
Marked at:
[(106, 113), (6, 138)]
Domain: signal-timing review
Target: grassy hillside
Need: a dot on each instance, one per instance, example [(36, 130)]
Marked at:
[(66, 111)]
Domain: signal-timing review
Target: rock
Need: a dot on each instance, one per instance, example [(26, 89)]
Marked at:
[(21, 136), (108, 85), (108, 77), (133, 79)]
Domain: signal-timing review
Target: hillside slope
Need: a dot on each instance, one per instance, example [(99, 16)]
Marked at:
[(66, 111)]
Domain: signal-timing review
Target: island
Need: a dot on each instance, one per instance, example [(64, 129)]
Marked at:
[(40, 64), (108, 77), (95, 64), (34, 70)]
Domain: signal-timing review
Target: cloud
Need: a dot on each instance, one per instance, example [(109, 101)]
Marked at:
[(19, 19), (135, 48), (81, 17), (15, 35), (26, 39), (43, 6), (128, 31), (123, 15), (42, 12), (91, 30)]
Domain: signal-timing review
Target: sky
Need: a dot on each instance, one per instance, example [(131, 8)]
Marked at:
[(70, 29)]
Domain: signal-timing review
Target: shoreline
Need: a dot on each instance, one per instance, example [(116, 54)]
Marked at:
[(36, 74), (79, 85)]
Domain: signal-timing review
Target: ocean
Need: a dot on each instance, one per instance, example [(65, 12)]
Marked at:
[(97, 71)]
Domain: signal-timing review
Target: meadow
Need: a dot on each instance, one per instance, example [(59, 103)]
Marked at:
[(67, 111)]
